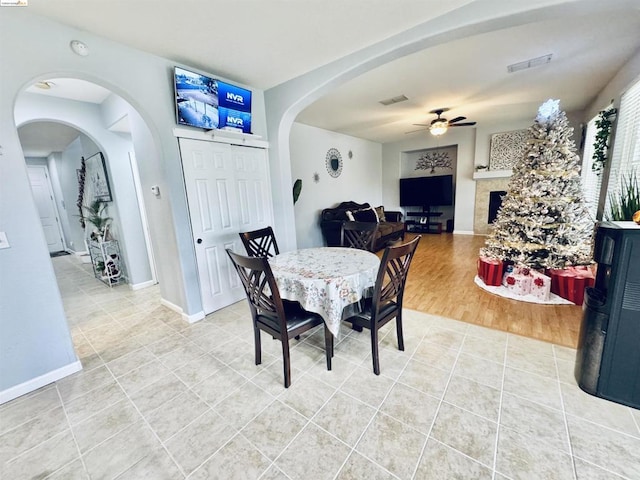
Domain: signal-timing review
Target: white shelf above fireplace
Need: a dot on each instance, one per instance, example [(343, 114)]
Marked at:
[(487, 174)]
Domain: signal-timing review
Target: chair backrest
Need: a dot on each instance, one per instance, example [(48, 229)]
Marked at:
[(392, 274), (260, 243), (360, 235), (260, 287)]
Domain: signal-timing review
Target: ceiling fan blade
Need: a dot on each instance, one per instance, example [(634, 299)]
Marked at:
[(414, 131), (457, 119), (421, 124), (465, 124)]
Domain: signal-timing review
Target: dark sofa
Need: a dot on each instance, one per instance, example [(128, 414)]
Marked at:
[(331, 220)]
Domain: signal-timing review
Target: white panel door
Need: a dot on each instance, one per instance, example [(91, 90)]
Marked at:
[(43, 196), (221, 183)]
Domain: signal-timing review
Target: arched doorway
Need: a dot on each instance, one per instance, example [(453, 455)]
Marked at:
[(73, 121)]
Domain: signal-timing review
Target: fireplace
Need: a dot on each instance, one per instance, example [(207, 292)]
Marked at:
[(484, 188), (495, 200)]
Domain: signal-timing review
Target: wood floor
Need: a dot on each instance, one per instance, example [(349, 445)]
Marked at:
[(441, 282)]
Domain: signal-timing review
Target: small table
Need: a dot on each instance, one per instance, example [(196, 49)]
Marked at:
[(325, 280)]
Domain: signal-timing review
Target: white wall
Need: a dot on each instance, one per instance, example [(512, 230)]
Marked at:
[(360, 180), (626, 76)]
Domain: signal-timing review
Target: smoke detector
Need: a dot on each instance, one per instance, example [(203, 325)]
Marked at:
[(79, 48)]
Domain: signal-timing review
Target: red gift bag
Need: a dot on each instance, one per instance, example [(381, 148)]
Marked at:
[(490, 271), (570, 282)]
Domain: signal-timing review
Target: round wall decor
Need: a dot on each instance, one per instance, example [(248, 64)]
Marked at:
[(334, 162)]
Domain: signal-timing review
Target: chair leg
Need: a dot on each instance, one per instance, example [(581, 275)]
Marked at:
[(374, 350), (257, 344), (399, 331), (328, 346), (286, 360)]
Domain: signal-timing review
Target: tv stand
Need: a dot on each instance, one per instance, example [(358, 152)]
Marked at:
[(423, 222)]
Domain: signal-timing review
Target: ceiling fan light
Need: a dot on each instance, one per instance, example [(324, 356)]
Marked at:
[(438, 127)]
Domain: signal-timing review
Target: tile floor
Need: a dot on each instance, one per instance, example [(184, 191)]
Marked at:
[(161, 399)]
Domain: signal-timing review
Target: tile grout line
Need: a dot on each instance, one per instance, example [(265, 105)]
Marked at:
[(148, 426), (305, 373), (73, 435), (377, 410), (498, 422), (444, 391), (564, 417)]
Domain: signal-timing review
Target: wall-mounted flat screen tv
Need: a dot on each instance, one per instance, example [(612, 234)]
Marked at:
[(426, 191), (208, 103)]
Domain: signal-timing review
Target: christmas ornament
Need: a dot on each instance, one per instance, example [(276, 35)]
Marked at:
[(636, 217)]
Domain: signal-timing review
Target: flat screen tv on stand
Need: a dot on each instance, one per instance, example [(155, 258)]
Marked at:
[(426, 193)]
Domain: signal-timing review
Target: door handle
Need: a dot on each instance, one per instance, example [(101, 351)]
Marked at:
[(199, 241)]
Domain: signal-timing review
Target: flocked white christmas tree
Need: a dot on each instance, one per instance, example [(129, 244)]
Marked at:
[(543, 221)]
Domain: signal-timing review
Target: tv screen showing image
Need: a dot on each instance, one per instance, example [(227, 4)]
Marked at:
[(234, 120), (234, 97), (208, 103), (196, 99), (426, 191)]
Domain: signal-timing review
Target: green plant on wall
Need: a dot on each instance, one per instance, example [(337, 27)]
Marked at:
[(601, 143), (297, 188), (627, 202), (82, 172)]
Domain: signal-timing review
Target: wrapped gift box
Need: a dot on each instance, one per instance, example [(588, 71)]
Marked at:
[(540, 285), (522, 270), (490, 271), (518, 283), (570, 282)]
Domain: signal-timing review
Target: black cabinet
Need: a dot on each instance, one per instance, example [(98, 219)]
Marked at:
[(608, 356)]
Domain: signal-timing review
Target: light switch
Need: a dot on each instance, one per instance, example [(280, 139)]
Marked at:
[(4, 243), (155, 190)]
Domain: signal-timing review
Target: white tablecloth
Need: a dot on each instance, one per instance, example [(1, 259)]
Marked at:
[(325, 280)]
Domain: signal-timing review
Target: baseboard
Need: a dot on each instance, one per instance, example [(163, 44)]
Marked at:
[(463, 232), (140, 286), (188, 318), (35, 383)]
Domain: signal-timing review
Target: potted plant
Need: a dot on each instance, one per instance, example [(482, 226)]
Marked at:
[(96, 216), (627, 202)]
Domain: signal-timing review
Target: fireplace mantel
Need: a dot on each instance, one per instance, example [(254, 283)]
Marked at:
[(489, 174)]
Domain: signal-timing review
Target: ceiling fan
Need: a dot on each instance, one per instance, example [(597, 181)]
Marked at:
[(440, 125)]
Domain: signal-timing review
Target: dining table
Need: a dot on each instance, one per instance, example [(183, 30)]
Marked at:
[(329, 281)]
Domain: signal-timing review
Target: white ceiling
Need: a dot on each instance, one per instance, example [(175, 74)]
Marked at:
[(39, 139), (276, 40)]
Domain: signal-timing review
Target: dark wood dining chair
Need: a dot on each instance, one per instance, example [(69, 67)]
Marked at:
[(386, 302), (260, 243), (269, 313), (360, 235)]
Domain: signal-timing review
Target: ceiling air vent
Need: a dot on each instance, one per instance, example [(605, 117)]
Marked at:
[(533, 62), (391, 101)]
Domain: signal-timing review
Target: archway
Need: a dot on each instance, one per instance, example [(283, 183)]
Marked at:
[(101, 128)]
